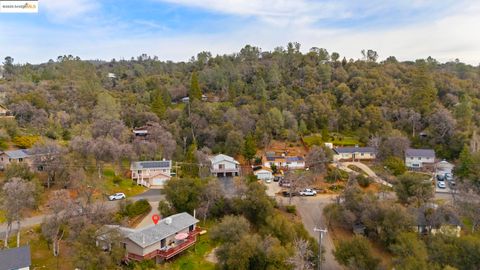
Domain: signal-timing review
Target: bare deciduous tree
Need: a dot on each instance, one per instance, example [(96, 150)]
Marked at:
[(316, 159), (17, 198), (53, 227), (301, 258)]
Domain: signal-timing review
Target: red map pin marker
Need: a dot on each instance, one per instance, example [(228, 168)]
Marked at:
[(155, 218)]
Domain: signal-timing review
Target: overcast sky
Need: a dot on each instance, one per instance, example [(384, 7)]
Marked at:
[(178, 29)]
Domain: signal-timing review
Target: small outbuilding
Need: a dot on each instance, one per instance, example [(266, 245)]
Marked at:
[(264, 174)]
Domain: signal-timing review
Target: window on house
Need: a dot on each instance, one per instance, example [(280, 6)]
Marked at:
[(362, 154), (221, 166), (419, 158), (20, 159)]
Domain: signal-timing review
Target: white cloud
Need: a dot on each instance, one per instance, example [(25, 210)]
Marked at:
[(452, 36), (63, 10)]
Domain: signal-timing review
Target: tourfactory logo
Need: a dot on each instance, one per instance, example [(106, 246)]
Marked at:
[(19, 6)]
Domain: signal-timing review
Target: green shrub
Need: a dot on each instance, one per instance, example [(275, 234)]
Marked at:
[(334, 174), (117, 180), (363, 181), (140, 207), (25, 141), (291, 209), (395, 165)]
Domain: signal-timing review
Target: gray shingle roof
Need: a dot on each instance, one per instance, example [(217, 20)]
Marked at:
[(429, 153), (16, 154), (342, 150), (292, 159), (154, 234), (163, 164), (15, 258)]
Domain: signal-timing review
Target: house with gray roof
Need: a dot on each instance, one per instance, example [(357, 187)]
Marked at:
[(152, 174), (419, 158), (168, 238), (284, 161), (354, 153), (223, 165), (15, 258), (21, 155)]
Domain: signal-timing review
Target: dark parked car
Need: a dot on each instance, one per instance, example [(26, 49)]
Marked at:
[(287, 193), (440, 177), (284, 183), (277, 178)]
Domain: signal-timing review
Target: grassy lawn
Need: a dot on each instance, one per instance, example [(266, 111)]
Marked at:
[(422, 176), (42, 256), (335, 138), (314, 139), (112, 184), (194, 257)]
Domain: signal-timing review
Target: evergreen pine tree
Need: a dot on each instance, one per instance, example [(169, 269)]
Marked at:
[(249, 149), (195, 92)]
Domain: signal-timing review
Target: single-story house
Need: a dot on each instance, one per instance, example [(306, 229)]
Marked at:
[(168, 238), (152, 174), (223, 165), (354, 153), (434, 220), (15, 258), (284, 161), (21, 155), (419, 158), (264, 174)]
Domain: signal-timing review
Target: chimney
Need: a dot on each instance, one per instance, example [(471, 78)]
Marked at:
[(143, 238)]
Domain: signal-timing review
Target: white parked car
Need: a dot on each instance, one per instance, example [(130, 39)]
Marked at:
[(308, 192), (441, 184), (116, 196)]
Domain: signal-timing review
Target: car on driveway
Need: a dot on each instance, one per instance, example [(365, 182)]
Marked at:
[(449, 177), (308, 192), (289, 193), (440, 177), (441, 184), (117, 196), (284, 183)]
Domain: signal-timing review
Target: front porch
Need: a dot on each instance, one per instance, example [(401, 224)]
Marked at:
[(168, 252)]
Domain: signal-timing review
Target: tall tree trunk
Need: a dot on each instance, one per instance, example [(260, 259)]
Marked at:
[(7, 232), (18, 233)]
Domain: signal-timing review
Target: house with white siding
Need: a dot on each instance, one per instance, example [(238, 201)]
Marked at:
[(419, 158), (151, 174), (354, 153), (223, 165)]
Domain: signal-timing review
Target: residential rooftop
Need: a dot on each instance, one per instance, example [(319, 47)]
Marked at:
[(164, 228), (162, 164), (428, 153), (15, 258), (349, 150)]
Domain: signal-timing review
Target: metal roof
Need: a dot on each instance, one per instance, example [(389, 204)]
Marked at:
[(15, 258), (139, 165), (348, 150), (153, 234), (290, 159), (222, 157), (16, 154), (429, 153)]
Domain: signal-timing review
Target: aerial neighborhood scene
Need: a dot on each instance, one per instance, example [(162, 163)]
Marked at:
[(239, 135)]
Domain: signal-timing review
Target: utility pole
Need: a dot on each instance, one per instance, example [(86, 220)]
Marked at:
[(320, 239)]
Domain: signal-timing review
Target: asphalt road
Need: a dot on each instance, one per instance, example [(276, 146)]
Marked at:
[(152, 195), (310, 210)]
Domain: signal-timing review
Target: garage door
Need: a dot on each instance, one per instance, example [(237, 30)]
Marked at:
[(158, 181)]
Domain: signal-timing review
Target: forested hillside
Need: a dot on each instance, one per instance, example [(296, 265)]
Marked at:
[(282, 94)]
